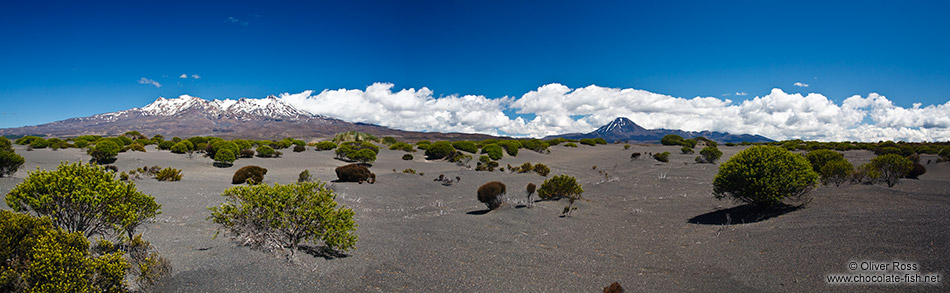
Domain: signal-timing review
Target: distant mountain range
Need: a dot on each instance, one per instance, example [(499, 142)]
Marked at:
[(272, 118), (185, 116), (622, 129)]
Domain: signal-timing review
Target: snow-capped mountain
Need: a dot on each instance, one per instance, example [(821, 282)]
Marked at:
[(265, 118), (622, 129)]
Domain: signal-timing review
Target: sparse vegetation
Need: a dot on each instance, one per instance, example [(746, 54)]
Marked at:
[(402, 147), (662, 157), (493, 151), (104, 152), (284, 216), (10, 162), (168, 174), (588, 141), (562, 186), (249, 174), (439, 150), (570, 144), (710, 154), (490, 194), (324, 146), (687, 150), (355, 173), (836, 172), (304, 176), (350, 151), (764, 176), (530, 191), (266, 152), (409, 171), (542, 169), (466, 146)]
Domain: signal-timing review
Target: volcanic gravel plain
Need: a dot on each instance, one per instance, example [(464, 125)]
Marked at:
[(651, 226)]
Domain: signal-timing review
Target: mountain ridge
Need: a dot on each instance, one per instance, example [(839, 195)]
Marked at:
[(624, 129)]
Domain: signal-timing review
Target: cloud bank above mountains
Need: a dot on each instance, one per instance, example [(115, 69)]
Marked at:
[(558, 109)]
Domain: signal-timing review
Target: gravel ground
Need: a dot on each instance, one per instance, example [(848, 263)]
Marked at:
[(648, 225)]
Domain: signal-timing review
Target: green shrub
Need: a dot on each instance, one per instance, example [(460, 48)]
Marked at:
[(524, 168), (535, 145), (182, 147), (305, 176), (225, 157), (246, 154), (511, 147), (135, 147), (354, 136), (588, 141), (459, 158), (324, 146), (299, 148), (493, 151), (104, 151), (40, 257), (439, 150), (662, 157), (423, 144), (836, 171), (83, 198), (818, 158), (691, 143), (389, 140), (484, 159), (687, 150), (530, 191), (490, 194), (409, 171), (671, 139), (600, 140), (634, 156), (363, 156), (626, 147), (347, 150), (168, 174), (865, 174), (407, 157), (570, 144), (39, 143), (166, 145), (542, 169), (710, 154), (266, 152), (401, 146), (466, 146), (892, 167), (560, 186), (355, 173), (764, 176), (26, 140), (249, 174), (285, 216), (10, 162)]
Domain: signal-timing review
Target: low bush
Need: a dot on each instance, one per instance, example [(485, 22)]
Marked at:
[(355, 173), (511, 147), (224, 158), (493, 151), (892, 167), (95, 205), (439, 150), (266, 151), (535, 145), (710, 154), (104, 151), (836, 172), (818, 158), (570, 144), (247, 153), (401, 146), (490, 194), (409, 171), (304, 176), (459, 158), (764, 176), (687, 150), (182, 147), (407, 157), (284, 216), (865, 174), (672, 139), (466, 146), (10, 162), (324, 146), (166, 145), (168, 174), (560, 186), (249, 174), (299, 148), (662, 157), (389, 140), (634, 156), (542, 169), (525, 168), (588, 141)]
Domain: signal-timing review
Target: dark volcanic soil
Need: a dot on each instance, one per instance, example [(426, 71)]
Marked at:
[(648, 225)]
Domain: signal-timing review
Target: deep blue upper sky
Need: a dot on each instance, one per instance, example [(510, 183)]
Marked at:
[(62, 60)]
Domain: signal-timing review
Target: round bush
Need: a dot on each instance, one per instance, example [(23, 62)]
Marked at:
[(407, 157), (299, 148), (225, 156), (686, 150), (182, 147), (560, 186), (662, 157), (104, 151), (490, 194), (439, 150), (710, 154), (466, 146), (493, 151), (542, 169), (324, 146), (402, 147), (764, 176), (892, 167), (10, 162), (265, 151), (355, 173), (672, 139), (250, 174), (818, 158), (836, 172), (363, 156)]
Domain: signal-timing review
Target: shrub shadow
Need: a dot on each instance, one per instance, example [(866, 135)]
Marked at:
[(478, 213), (742, 214), (222, 164), (321, 251)]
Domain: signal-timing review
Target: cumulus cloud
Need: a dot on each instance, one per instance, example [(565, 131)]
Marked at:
[(149, 81), (195, 76), (742, 93), (801, 84), (183, 76), (558, 109)]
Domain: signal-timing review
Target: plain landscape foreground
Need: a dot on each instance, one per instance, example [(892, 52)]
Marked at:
[(648, 225)]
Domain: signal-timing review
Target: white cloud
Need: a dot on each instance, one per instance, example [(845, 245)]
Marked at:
[(235, 20), (558, 109), (183, 76), (195, 76), (801, 84), (742, 93), (149, 81)]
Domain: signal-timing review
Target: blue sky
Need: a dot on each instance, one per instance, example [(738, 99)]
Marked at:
[(67, 59)]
